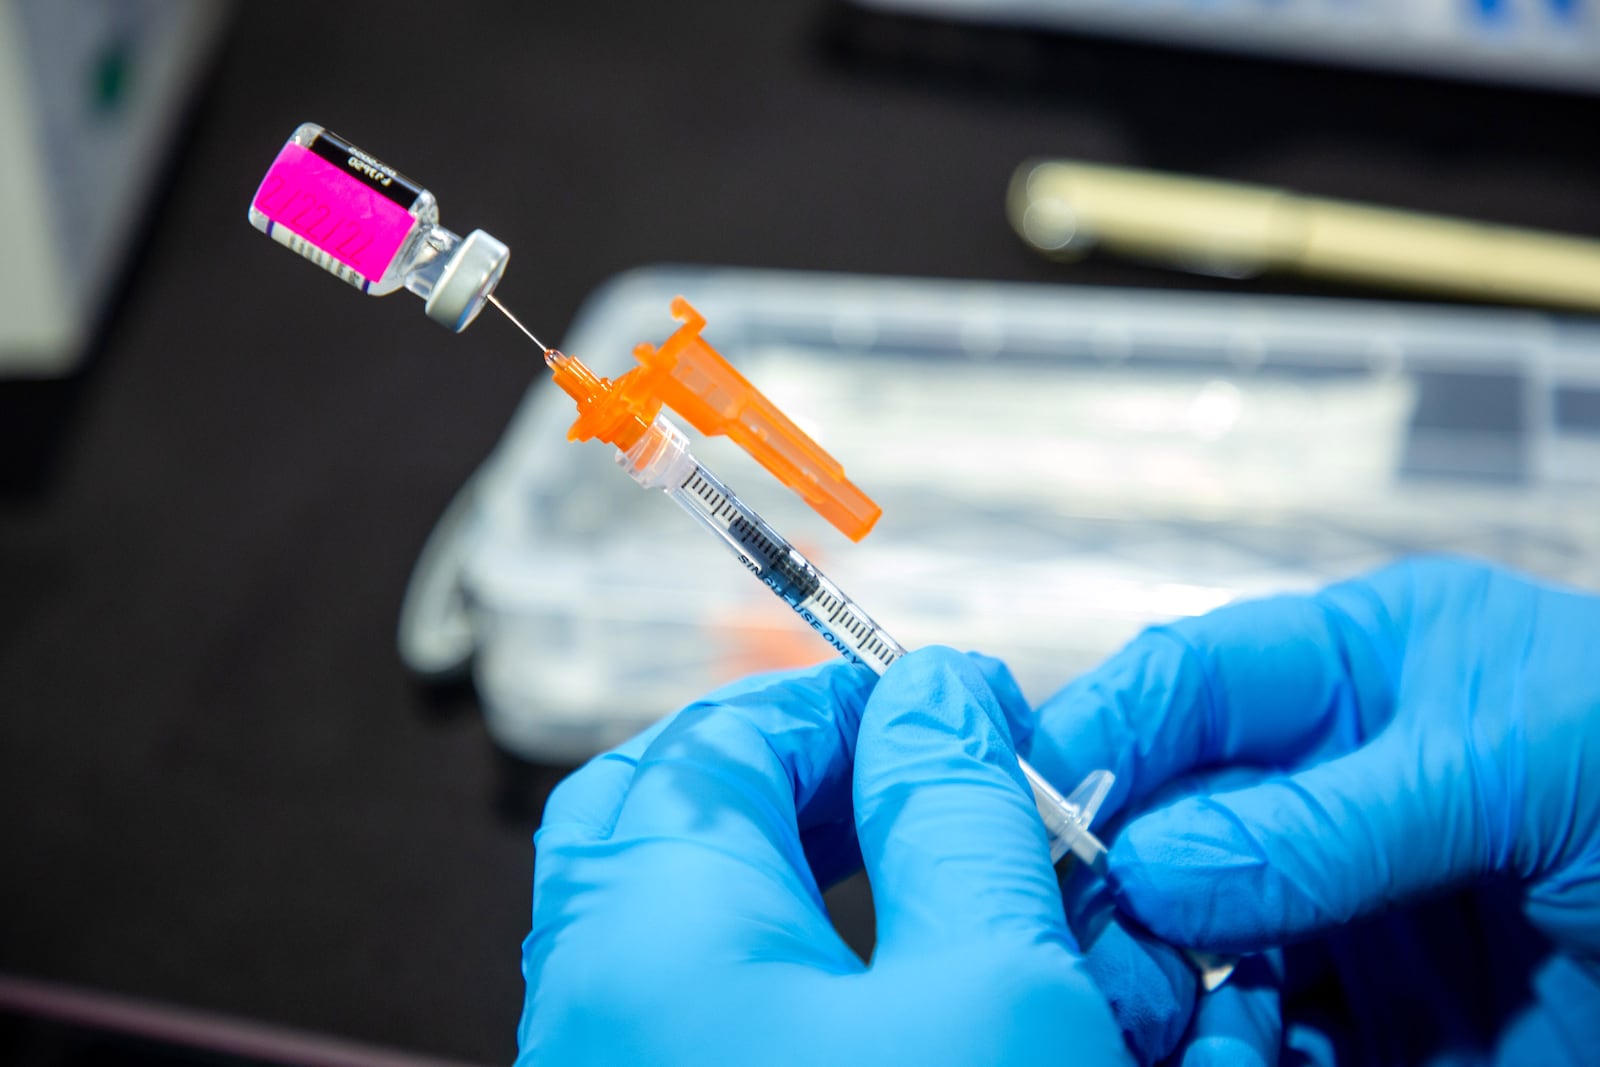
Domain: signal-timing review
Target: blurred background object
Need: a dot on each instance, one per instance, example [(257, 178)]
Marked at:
[(1065, 209), (1058, 467), (90, 98), (1551, 43), (221, 788)]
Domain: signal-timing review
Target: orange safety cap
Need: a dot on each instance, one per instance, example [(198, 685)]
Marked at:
[(692, 378)]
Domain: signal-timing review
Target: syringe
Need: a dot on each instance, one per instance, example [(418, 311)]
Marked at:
[(361, 220), (699, 384), (662, 460)]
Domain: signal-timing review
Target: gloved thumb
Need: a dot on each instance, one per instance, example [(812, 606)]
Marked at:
[(1295, 856), (953, 846)]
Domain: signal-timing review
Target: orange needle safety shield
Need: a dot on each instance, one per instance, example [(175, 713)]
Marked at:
[(690, 377)]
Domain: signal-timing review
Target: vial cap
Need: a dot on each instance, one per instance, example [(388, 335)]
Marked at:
[(466, 280)]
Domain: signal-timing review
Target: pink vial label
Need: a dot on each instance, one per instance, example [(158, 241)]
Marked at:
[(350, 221)]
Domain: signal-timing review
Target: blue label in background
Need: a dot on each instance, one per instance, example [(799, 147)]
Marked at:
[(1490, 10), (1567, 10), (1527, 15), (1518, 12)]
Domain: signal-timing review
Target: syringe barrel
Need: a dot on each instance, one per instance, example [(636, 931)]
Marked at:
[(660, 459)]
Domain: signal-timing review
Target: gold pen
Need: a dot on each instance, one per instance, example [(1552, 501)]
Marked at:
[(1065, 208)]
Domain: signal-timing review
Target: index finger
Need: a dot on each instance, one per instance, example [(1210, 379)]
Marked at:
[(810, 715), (749, 769)]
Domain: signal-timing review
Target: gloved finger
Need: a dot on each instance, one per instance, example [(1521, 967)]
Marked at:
[(1267, 682), (1306, 1045), (584, 804), (744, 772), (1242, 1022), (952, 843), (1299, 855), (1150, 986), (1563, 1015)]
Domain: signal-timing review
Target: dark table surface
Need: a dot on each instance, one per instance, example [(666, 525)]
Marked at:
[(218, 787)]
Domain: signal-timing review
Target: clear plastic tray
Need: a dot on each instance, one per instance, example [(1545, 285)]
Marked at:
[(1059, 467)]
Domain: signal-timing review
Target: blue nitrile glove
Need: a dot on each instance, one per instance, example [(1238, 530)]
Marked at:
[(1440, 721), (1153, 990), (677, 918)]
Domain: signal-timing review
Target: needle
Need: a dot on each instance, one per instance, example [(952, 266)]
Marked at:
[(496, 302)]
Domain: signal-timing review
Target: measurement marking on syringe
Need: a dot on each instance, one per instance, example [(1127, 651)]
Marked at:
[(702, 489), (748, 532), (718, 505), (789, 574)]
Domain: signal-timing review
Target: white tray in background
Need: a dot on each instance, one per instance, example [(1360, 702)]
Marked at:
[(1058, 467)]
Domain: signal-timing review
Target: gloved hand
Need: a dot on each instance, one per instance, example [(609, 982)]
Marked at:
[(678, 915), (1440, 723), (1153, 990)]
